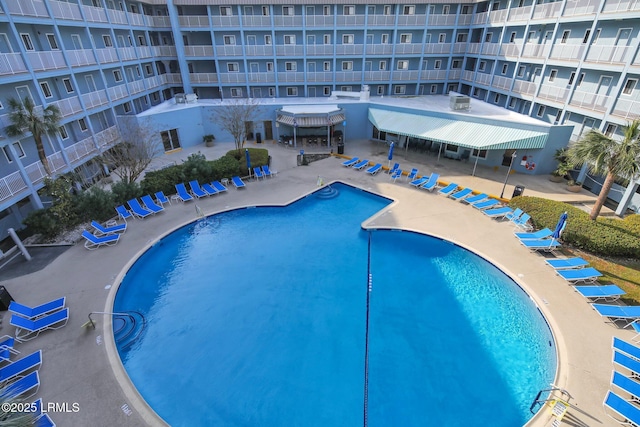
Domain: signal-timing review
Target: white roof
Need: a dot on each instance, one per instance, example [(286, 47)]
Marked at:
[(310, 109)]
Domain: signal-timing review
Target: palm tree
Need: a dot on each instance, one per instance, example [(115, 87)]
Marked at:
[(605, 156), (26, 117)]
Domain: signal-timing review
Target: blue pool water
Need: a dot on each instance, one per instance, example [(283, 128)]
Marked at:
[(263, 317)]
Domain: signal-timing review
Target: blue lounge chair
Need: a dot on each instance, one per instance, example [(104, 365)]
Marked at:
[(27, 329), (209, 189), (587, 275), (485, 204), (516, 214), (626, 384), (432, 183), (361, 164), (412, 175), (540, 234), (497, 212), (351, 162), (150, 204), (196, 190), (102, 230), (37, 311), (183, 194), (625, 361), (374, 169), (449, 189), (523, 222), (624, 313), (396, 174), (123, 213), (24, 387), (624, 409), (561, 264), (625, 347), (7, 341), (461, 194), (608, 293), (138, 210), (395, 167), (546, 245), (21, 366), (162, 199), (42, 419), (268, 172), (474, 199), (238, 182), (258, 173), (419, 181), (218, 186), (94, 242)]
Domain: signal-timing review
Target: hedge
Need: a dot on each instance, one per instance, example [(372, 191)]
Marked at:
[(257, 156), (605, 236)]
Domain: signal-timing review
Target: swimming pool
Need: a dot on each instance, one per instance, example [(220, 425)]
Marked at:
[(297, 316)]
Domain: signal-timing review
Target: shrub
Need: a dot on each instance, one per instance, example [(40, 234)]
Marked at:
[(225, 167), (43, 221), (123, 191), (62, 201), (605, 236), (95, 203), (196, 167), (258, 157), (162, 180)]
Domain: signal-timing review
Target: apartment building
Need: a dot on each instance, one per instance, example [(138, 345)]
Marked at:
[(566, 62)]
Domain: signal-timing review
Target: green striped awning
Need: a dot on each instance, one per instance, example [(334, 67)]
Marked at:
[(482, 136)]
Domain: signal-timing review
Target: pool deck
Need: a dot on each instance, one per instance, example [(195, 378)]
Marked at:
[(80, 364)]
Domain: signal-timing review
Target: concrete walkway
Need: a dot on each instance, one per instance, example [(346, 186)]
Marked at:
[(80, 364)]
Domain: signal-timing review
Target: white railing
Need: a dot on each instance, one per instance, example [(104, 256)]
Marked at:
[(567, 51), (318, 20), (465, 19), (48, 60), (95, 99), (27, 8), (613, 6), (320, 49), (413, 20), (232, 78), (520, 14), (474, 48), (501, 82), (259, 50), (379, 49), (81, 150), (287, 21), (349, 49), (107, 54), (229, 50), (127, 53), (483, 79), (590, 101), (200, 50), (168, 50), (12, 63), (547, 10), (68, 106), (172, 78), (264, 77), (467, 75), (535, 50), (433, 75), (510, 50), (65, 10), (553, 93), (609, 54), (319, 76), (524, 87), (11, 185), (290, 77), (136, 19), (581, 7), (153, 82), (94, 14), (381, 20), (256, 21), (136, 86), (627, 109), (376, 76), (108, 137), (498, 16), (225, 21), (144, 51), (349, 20), (442, 20), (437, 47), (80, 57), (159, 21), (460, 48), (408, 48), (480, 18), (455, 74), (490, 48), (194, 21), (348, 76), (117, 16), (118, 92), (403, 75), (289, 50)]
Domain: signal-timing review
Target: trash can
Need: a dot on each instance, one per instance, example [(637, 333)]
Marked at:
[(5, 299), (258, 138), (340, 147), (518, 190)]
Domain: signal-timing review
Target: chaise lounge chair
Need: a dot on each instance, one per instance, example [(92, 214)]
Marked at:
[(268, 172), (21, 366), (395, 167), (624, 409), (461, 194), (608, 293), (218, 186), (196, 190), (150, 204), (123, 213), (209, 189), (37, 311), (523, 222), (162, 199), (624, 313), (24, 387), (361, 164), (625, 347), (485, 204), (396, 174), (497, 212), (540, 234), (449, 189), (625, 361), (27, 329), (258, 173), (183, 194), (587, 275), (42, 418), (94, 242), (237, 182), (516, 214), (114, 229), (431, 183), (546, 245), (419, 181), (626, 384), (351, 162), (474, 199), (138, 210), (561, 264), (412, 175), (374, 169)]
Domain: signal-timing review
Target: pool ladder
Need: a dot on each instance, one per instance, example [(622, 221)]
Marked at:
[(127, 326), (538, 401)]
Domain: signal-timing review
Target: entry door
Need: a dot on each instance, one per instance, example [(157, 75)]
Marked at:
[(256, 92), (369, 39), (5, 47), (587, 125), (311, 67), (367, 65), (253, 67), (623, 38), (170, 139), (91, 84), (603, 91), (506, 157), (312, 92), (24, 92), (311, 39), (77, 41), (251, 40), (268, 130)]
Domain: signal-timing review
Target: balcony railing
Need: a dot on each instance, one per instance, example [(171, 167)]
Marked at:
[(65, 10), (381, 20), (81, 57), (229, 50), (349, 49), (203, 78), (287, 21), (117, 16), (474, 48), (443, 20), (106, 55), (627, 109), (94, 14), (47, 60), (520, 14), (480, 18), (168, 50), (118, 92), (136, 86), (379, 49), (547, 10), (194, 21), (565, 51), (81, 150), (581, 7), (290, 77), (483, 78), (28, 8), (95, 99), (409, 48), (11, 185), (523, 87), (609, 54), (460, 48), (108, 137), (159, 21), (413, 20), (232, 78), (68, 106), (153, 82), (498, 16), (491, 49), (501, 82), (437, 47), (455, 74), (590, 101), (199, 50), (262, 77), (318, 20), (12, 63), (127, 53), (404, 75), (350, 20), (380, 76), (617, 6), (467, 75), (289, 50), (510, 50), (256, 21), (172, 78), (433, 75), (136, 19), (320, 49), (320, 76), (541, 51), (259, 50), (225, 21), (553, 93), (348, 76), (145, 51)]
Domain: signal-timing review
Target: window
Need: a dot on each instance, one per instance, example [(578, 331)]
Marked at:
[(382, 66), (148, 69), (347, 65), (521, 70), (326, 66), (461, 37), (226, 11), (451, 147), (127, 107), (233, 67), (170, 139), (496, 98), (384, 39), (437, 64), (289, 39), (269, 66), (142, 41), (596, 36), (629, 86), (290, 66), (288, 10), (552, 75), (445, 9), (610, 130), (236, 92), (326, 39), (138, 71), (265, 10), (67, 85), (46, 90), (512, 38), (326, 10), (117, 75), (476, 93), (482, 66), (346, 88), (541, 109), (456, 63), (580, 79), (386, 11), (512, 103), (452, 87), (432, 9), (107, 40), (565, 36), (405, 38), (488, 37), (399, 89), (83, 125), (557, 119), (63, 132), (408, 10), (531, 36), (18, 147), (434, 89), (505, 68), (267, 39), (380, 90), (442, 38), (77, 41), (292, 91), (348, 10), (326, 90), (403, 65), (482, 154), (229, 40), (154, 96), (586, 36), (26, 40), (52, 42), (272, 91), (347, 39)]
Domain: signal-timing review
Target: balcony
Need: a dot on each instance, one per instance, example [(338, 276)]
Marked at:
[(229, 50), (81, 57), (107, 138), (498, 16), (460, 48), (127, 53), (510, 50), (158, 21), (172, 78), (11, 185), (194, 21), (609, 54), (320, 49), (480, 18), (627, 109), (379, 49), (232, 78), (501, 82), (225, 21), (117, 16), (287, 21), (348, 76), (118, 92), (541, 51), (619, 6), (256, 21), (262, 77), (581, 7), (377, 76), (440, 48), (68, 106), (203, 78), (467, 76), (553, 93), (94, 14), (433, 75), (291, 77), (167, 50), (28, 8), (259, 50), (524, 87), (405, 75), (381, 20), (319, 20), (349, 49), (153, 82), (95, 99), (136, 86), (106, 55), (48, 60), (136, 19), (289, 50), (519, 14), (350, 20), (414, 20), (81, 150), (12, 63), (491, 49), (465, 19), (65, 10), (442, 20), (409, 48), (547, 10), (145, 51), (474, 48), (589, 101), (199, 51), (483, 78)]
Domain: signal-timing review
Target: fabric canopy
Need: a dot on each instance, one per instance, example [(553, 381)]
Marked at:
[(310, 121)]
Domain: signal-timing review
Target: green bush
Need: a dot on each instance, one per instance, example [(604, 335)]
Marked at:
[(225, 167), (605, 236), (258, 157), (95, 204), (164, 180), (196, 167), (63, 201), (123, 191), (43, 221)]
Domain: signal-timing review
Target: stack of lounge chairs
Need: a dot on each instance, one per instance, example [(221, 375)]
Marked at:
[(622, 402)]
